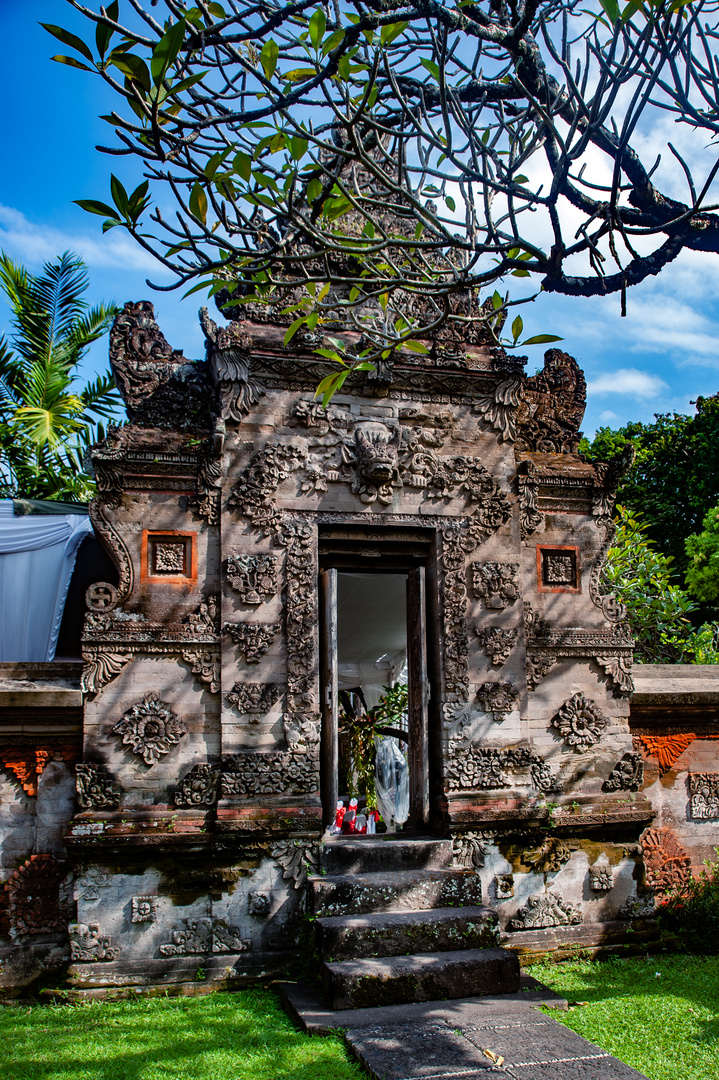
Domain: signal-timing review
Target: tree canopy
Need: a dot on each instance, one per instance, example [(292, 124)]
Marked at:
[(674, 481), (46, 418), (386, 163)]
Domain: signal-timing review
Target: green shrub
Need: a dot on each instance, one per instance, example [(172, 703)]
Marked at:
[(691, 911)]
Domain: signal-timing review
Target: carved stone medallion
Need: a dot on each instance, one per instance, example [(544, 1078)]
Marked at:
[(579, 722), (150, 729), (144, 909), (601, 877)]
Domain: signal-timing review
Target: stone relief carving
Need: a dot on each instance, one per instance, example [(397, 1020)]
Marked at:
[(499, 407), (530, 517), (542, 911), (666, 864), (627, 774), (94, 786), (611, 648), (549, 857), (296, 859), (254, 700), (144, 909), (665, 748), (252, 639), (638, 908), (88, 944), (579, 722), (552, 406), (203, 936), (611, 608), (472, 768), (258, 903), (469, 849), (499, 699), (199, 787), (275, 773), (254, 577), (496, 583), (228, 352), (601, 877), (496, 642), (112, 638), (150, 729), (34, 897), (88, 886), (301, 718), (504, 886), (558, 568), (704, 796)]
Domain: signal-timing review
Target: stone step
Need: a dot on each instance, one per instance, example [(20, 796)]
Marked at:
[(404, 890), (394, 980), (376, 854), (350, 937)]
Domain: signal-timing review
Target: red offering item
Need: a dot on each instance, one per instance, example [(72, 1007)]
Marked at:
[(348, 822)]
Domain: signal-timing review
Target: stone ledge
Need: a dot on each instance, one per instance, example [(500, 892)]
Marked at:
[(590, 939)]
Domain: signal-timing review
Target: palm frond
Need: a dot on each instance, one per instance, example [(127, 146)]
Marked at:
[(59, 292)]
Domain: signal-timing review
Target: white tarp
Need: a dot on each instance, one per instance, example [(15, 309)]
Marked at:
[(37, 557)]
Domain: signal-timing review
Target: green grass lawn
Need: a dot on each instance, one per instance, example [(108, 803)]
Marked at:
[(240, 1036), (659, 1014)]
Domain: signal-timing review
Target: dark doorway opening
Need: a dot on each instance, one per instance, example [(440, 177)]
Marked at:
[(373, 634)]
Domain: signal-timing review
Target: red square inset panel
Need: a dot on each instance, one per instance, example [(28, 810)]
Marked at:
[(169, 557), (558, 568)]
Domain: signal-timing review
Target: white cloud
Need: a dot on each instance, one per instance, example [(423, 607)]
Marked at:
[(628, 381), (33, 245), (608, 417)]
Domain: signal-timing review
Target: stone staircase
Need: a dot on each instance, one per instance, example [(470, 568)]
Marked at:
[(395, 923)]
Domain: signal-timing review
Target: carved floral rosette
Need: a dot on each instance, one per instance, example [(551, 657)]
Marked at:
[(150, 729), (579, 722)]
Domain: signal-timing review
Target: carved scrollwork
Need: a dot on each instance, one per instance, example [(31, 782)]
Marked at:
[(281, 772), (296, 858), (205, 663), (253, 576), (254, 700), (203, 937), (301, 718), (150, 729), (496, 583), (95, 789), (666, 864), (627, 774), (113, 543), (499, 699), (473, 768), (497, 642), (704, 796), (549, 857), (89, 945), (252, 639), (199, 787), (228, 353), (543, 911), (579, 722), (499, 408), (470, 848), (529, 516), (539, 663), (100, 666)]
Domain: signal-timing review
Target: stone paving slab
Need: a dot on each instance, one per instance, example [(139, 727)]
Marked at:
[(447, 1040)]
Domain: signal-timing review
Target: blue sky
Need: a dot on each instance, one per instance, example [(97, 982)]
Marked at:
[(657, 359)]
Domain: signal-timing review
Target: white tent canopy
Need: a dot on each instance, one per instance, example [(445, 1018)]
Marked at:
[(37, 557)]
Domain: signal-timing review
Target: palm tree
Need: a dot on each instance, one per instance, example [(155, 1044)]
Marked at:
[(46, 420)]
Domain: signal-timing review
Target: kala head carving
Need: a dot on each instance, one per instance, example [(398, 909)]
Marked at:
[(375, 456)]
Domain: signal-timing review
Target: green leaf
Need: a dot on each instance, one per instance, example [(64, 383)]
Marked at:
[(293, 328), (69, 39), (120, 196), (521, 179), (329, 386), (196, 288), (70, 61), (415, 346), (242, 164), (167, 50), (138, 200), (104, 33), (520, 273), (185, 84), (317, 27), (198, 203), (431, 67), (268, 57), (517, 327), (92, 206), (110, 223), (333, 41), (133, 66), (611, 9), (450, 203), (392, 31), (297, 147), (299, 74), (541, 339), (314, 190), (497, 300), (215, 161), (217, 10)]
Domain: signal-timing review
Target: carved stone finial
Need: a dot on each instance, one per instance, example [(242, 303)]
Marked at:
[(552, 409)]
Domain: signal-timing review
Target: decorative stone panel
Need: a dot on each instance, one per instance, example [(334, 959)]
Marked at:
[(499, 699), (254, 577), (704, 795), (95, 790), (496, 583), (199, 787), (666, 864), (144, 909), (204, 936), (252, 639), (34, 901), (601, 877), (496, 642), (254, 700), (88, 944), (580, 722), (627, 774), (168, 557), (543, 911), (558, 569), (150, 729)]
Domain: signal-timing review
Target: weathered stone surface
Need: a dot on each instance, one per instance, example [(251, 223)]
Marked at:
[(407, 890), (398, 933), (423, 977), (348, 856)]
